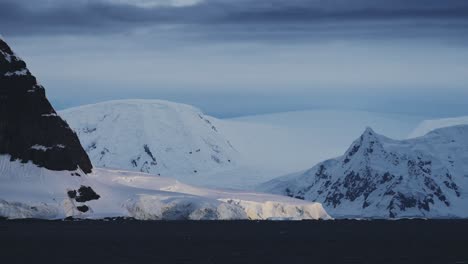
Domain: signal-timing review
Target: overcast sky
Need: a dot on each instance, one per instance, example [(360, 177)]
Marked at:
[(236, 57)]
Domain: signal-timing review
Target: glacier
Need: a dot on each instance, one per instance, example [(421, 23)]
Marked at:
[(28, 191)]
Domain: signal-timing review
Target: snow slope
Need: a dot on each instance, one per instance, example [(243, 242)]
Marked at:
[(384, 178), (151, 136), (428, 125), (28, 191)]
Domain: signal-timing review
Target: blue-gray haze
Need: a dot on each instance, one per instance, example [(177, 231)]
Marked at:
[(237, 57)]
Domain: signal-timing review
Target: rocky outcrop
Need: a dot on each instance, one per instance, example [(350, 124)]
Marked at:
[(30, 129)]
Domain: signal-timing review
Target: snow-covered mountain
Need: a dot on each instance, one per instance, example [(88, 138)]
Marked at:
[(152, 136), (384, 178), (428, 125), (36, 146)]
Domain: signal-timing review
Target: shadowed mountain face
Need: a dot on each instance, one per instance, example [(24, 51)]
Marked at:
[(30, 129)]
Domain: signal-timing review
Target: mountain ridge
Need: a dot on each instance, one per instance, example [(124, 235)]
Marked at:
[(386, 178)]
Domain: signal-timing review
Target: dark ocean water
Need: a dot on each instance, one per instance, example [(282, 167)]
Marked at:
[(128, 241)]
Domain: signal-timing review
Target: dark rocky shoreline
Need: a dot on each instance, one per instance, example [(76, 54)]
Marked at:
[(121, 240)]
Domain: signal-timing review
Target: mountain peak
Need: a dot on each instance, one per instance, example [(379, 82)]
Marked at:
[(369, 138), (365, 144), (369, 131), (30, 129)]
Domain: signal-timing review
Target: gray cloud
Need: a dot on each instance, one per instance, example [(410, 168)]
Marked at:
[(238, 19)]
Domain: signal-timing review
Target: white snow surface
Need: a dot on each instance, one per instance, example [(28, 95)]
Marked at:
[(44, 148), (27, 191), (17, 73), (260, 147), (428, 125), (151, 136), (379, 177)]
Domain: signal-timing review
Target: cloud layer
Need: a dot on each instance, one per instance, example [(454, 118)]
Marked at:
[(235, 18)]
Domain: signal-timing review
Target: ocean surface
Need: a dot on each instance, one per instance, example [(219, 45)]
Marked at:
[(130, 241)]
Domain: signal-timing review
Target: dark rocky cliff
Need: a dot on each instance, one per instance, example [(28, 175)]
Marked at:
[(30, 129)]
